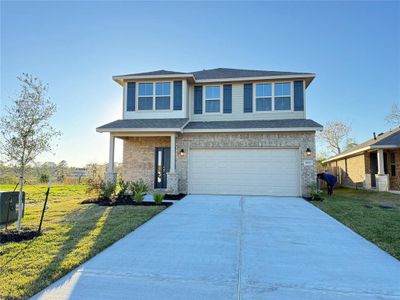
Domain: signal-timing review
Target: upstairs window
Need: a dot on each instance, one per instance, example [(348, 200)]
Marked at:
[(163, 95), (145, 97), (273, 96), (264, 97), (282, 96), (154, 96), (212, 99)]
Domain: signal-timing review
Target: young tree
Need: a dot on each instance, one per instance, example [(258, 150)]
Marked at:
[(25, 130), (335, 134), (394, 116), (61, 170)]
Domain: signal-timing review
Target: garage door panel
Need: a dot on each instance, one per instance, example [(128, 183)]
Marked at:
[(244, 171)]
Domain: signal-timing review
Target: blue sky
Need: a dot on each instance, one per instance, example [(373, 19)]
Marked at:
[(353, 47)]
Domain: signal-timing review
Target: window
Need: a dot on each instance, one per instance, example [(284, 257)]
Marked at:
[(264, 97), (213, 99), (154, 95), (392, 164), (163, 91), (273, 96), (282, 96)]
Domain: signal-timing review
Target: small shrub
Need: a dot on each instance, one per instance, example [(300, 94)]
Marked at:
[(107, 189), (158, 197), (123, 187), (139, 197), (44, 178), (139, 190), (313, 190), (100, 188)]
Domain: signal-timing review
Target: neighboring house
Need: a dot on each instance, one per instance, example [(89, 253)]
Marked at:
[(218, 131), (374, 164)]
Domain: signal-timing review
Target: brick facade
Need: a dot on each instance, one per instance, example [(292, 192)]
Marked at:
[(138, 158), (356, 169), (138, 155)]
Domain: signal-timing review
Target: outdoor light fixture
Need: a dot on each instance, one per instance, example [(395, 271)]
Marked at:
[(308, 152), (182, 153)]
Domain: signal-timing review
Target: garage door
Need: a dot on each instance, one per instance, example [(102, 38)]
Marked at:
[(244, 171)]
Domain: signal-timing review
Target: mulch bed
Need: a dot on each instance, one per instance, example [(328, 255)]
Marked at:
[(15, 236), (122, 201), (174, 197), (315, 199)]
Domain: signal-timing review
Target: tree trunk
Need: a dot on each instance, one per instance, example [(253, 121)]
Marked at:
[(20, 204)]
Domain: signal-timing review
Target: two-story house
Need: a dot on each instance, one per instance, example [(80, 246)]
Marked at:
[(218, 131)]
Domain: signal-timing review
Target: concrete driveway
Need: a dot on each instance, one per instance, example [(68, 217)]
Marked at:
[(232, 247)]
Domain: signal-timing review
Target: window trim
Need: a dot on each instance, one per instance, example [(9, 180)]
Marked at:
[(221, 99), (171, 95), (273, 110)]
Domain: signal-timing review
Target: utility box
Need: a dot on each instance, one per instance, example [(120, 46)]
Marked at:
[(9, 207)]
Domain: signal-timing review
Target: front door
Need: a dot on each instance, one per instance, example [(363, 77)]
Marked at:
[(373, 167), (162, 163)]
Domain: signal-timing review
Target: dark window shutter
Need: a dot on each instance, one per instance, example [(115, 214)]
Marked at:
[(298, 95), (227, 98), (130, 96), (248, 98), (178, 95), (198, 100)]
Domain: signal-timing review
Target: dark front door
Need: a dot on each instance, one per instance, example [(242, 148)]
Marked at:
[(373, 167), (162, 163)]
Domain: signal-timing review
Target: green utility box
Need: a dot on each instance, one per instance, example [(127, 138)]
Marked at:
[(9, 206)]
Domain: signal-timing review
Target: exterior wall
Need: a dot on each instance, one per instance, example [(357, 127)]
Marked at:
[(350, 170), (157, 114), (237, 109), (301, 140), (138, 158), (394, 181)]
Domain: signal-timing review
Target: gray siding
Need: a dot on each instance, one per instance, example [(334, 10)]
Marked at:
[(237, 110)]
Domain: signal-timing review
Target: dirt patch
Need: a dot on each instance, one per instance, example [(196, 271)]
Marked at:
[(18, 236)]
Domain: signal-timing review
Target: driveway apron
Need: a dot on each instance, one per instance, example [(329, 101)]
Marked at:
[(236, 247)]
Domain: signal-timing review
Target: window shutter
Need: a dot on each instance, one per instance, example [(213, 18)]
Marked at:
[(130, 96), (248, 97), (298, 95), (178, 95), (227, 98), (198, 100)]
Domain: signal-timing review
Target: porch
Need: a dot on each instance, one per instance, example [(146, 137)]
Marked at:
[(149, 151), (147, 156)]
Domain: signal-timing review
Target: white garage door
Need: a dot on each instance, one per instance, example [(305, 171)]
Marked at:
[(244, 171)]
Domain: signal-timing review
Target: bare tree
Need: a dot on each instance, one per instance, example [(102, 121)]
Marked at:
[(393, 117), (25, 130), (335, 134)]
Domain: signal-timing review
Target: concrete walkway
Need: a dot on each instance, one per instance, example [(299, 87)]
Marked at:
[(227, 247)]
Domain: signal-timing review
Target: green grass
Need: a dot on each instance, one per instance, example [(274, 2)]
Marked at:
[(72, 234), (380, 226)]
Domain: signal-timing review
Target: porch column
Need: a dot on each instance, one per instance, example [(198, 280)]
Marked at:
[(173, 153), (381, 168), (172, 177), (110, 175)]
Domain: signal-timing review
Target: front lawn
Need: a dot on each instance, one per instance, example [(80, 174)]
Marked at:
[(360, 210), (72, 234)]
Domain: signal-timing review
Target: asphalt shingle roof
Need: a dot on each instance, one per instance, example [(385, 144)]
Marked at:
[(220, 73), (179, 123), (145, 123), (256, 124), (389, 138)]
